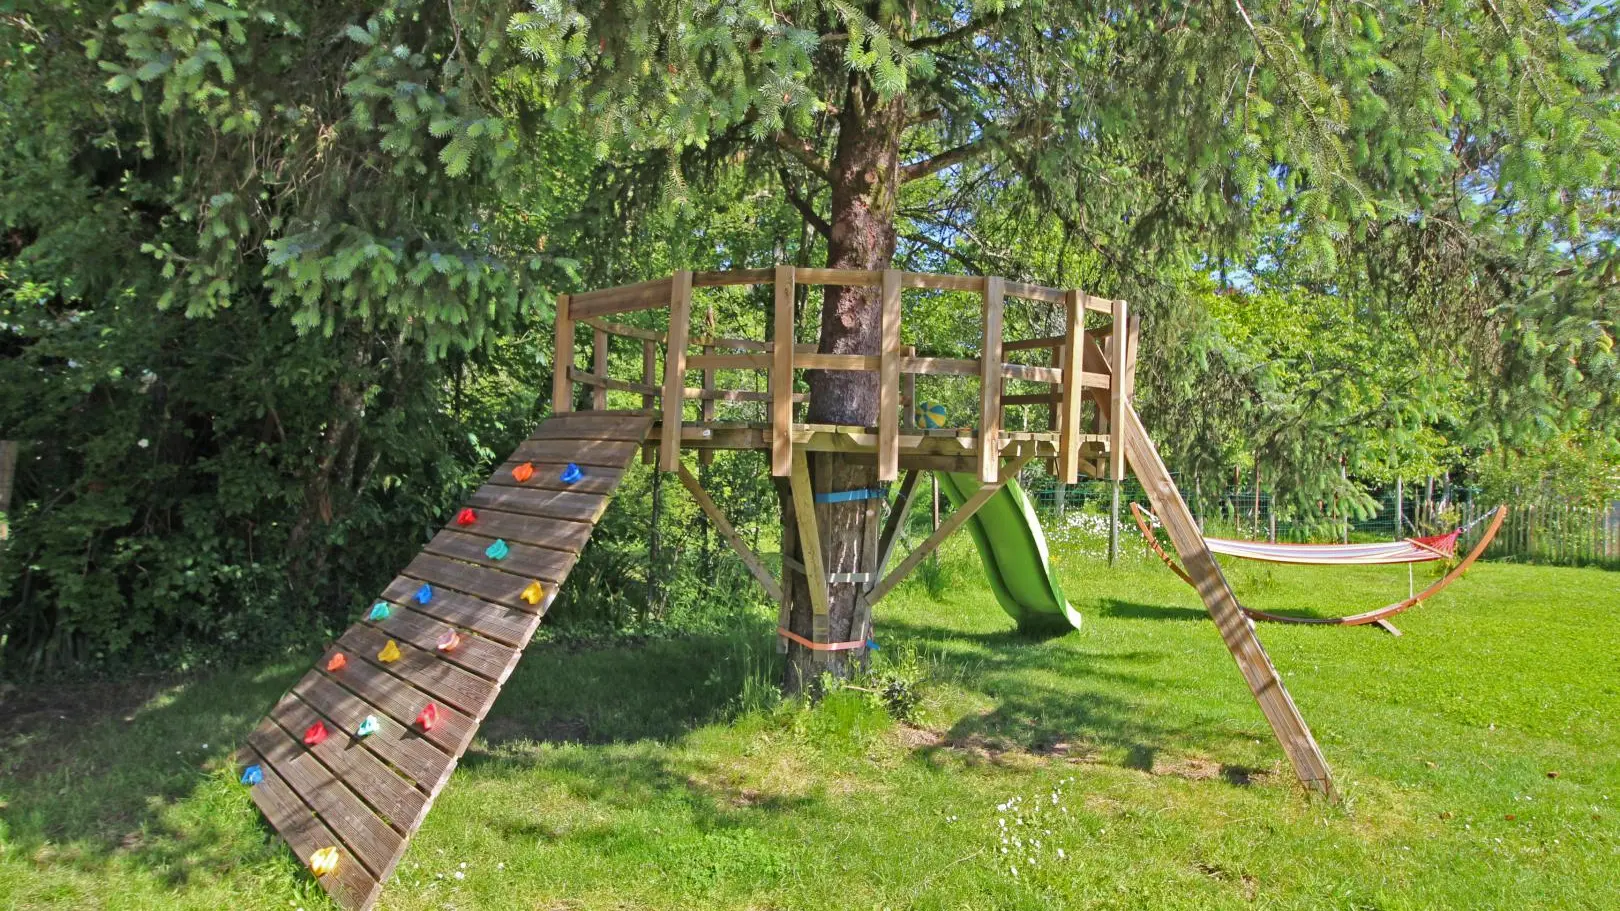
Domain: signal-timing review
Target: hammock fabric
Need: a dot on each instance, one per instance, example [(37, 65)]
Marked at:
[(1438, 547)]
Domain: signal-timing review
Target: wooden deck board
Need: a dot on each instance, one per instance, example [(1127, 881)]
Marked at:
[(521, 559), (479, 581), (305, 834), (548, 476), (550, 504), (391, 795), (423, 669), (502, 624), (484, 657), (394, 742), (401, 701)]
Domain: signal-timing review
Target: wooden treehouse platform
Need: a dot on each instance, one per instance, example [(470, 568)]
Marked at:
[(347, 764)]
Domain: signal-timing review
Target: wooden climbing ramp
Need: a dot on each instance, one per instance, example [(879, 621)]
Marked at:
[(348, 762)]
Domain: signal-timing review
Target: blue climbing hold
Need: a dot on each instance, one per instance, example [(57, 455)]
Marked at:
[(252, 775), (424, 594), (497, 551), (379, 611), (871, 645), (572, 474)]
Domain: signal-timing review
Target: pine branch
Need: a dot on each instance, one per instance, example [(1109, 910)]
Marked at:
[(801, 149), (973, 27), (811, 217)]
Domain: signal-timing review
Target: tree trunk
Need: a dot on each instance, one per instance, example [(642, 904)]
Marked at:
[(865, 184)]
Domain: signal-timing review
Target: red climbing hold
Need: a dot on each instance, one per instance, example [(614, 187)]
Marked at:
[(316, 734), (466, 516), (428, 718), (337, 663)]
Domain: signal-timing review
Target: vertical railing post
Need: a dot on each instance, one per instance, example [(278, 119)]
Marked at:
[(990, 383), (562, 388), (908, 393), (1118, 343), (781, 376), (706, 409), (649, 370), (1072, 394), (680, 327), (599, 366), (888, 454)]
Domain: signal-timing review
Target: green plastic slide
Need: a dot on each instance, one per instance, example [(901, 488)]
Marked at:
[(1013, 547)]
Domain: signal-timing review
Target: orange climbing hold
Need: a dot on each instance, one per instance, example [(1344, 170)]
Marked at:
[(523, 472), (337, 663)]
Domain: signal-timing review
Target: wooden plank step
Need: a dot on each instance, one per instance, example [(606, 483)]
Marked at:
[(478, 581), (493, 621), (445, 682), (550, 504), (521, 559), (391, 795), (374, 842), (394, 743), (400, 701), (620, 429), (548, 476), (557, 534), (305, 834), (485, 657), (584, 453)]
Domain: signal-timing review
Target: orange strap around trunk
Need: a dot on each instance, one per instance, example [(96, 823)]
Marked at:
[(819, 646)]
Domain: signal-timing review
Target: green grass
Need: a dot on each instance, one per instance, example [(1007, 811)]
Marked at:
[(662, 775)]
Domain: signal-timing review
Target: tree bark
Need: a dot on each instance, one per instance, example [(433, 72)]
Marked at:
[(865, 183)]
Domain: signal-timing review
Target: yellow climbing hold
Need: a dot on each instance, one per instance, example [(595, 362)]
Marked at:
[(534, 594), (324, 861), (389, 653)]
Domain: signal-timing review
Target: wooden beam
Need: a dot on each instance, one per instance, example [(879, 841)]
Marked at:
[(643, 296), (599, 365), (680, 327), (946, 528), (1074, 342), (815, 568), (889, 380), (619, 329), (706, 406), (896, 522), (727, 531), (990, 381), (940, 366), (1117, 402), (562, 387), (781, 377), (1032, 374), (1236, 629), (908, 392), (729, 361)]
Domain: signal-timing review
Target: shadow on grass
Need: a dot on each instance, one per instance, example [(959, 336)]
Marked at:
[(1136, 610)]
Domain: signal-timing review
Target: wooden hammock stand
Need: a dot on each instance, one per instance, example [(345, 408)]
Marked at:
[(1379, 617)]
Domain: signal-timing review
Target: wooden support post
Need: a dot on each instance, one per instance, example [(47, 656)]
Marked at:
[(947, 528), (896, 523), (649, 370), (1113, 522), (706, 409), (8, 478), (1235, 628), (815, 569), (1117, 343), (1074, 346), (599, 366), (990, 381), (727, 531), (782, 378), (562, 388), (888, 454), (680, 328)]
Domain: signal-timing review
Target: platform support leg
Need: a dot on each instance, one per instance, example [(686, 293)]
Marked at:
[(1113, 522)]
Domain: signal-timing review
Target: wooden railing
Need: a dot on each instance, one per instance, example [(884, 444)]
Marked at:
[(1078, 363)]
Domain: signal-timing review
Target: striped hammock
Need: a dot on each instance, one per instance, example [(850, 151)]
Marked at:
[(1411, 550)]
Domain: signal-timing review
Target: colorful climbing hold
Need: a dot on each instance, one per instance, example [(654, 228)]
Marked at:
[(252, 775), (449, 641), (572, 474), (535, 593), (424, 594), (466, 516), (523, 472), (872, 645), (336, 663), (315, 734), (428, 718), (324, 861), (389, 653), (368, 726), (379, 611), (498, 550)]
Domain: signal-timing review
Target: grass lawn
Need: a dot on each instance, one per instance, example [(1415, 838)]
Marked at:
[(1124, 766)]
